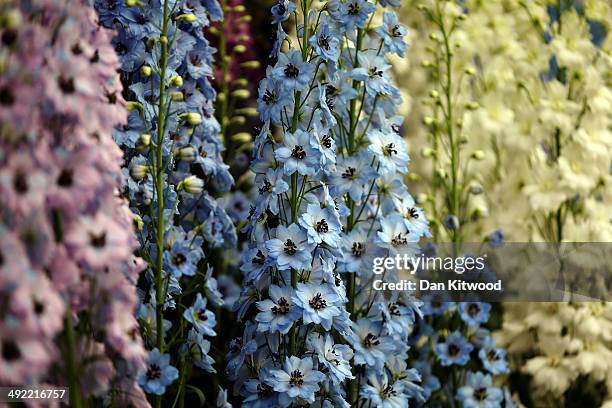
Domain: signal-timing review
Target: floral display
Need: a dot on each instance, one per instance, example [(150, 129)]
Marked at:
[(531, 96), (67, 272), (283, 203), (328, 168), (173, 161)]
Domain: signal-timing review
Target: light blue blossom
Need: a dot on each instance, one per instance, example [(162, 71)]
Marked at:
[(297, 154), (292, 71), (321, 225), (197, 348), (474, 313), (393, 33), (390, 151), (290, 248), (202, 319), (158, 373), (493, 358), (278, 313), (479, 392), (319, 303), (297, 379), (454, 351)]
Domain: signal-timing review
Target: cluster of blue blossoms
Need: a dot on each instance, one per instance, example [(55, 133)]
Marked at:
[(329, 164), (456, 355), (174, 167)]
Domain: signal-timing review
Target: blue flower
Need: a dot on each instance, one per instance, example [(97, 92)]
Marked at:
[(296, 379), (479, 392), (198, 348), (493, 358), (182, 259), (298, 155), (278, 313), (202, 319), (321, 225), (474, 313), (373, 71), (393, 33), (335, 357), (352, 13), (496, 239), (381, 391), (390, 151), (319, 303), (290, 248), (326, 43), (257, 393), (371, 347), (395, 236), (158, 374), (272, 100), (281, 10), (352, 175), (455, 350), (292, 71)]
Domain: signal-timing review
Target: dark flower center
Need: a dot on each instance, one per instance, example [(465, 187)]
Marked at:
[(266, 187), (291, 71), (269, 97), (492, 355), (66, 84), (322, 226), (453, 350), (6, 96), (290, 247), (120, 49), (264, 390), (178, 259), (358, 249), (398, 240), (65, 178), (153, 372), (10, 351), (394, 309), (324, 41), (413, 213), (390, 150), (97, 241), (281, 307), (371, 340), (326, 141), (202, 315), (39, 307), (480, 394), (298, 152), (375, 72), (20, 183), (259, 258), (349, 173), (353, 9), (396, 31), (296, 378), (473, 309), (388, 392), (317, 302)]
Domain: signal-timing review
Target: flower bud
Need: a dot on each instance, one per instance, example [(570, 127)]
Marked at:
[(248, 112), (478, 155), (472, 105), (144, 141), (221, 97), (242, 137), (138, 222), (428, 120), (241, 94), (176, 80), (427, 152), (476, 188), (239, 8), (422, 198), (213, 30), (413, 177), (146, 71), (188, 18), (133, 3), (177, 96), (470, 71), (139, 171), (163, 39), (193, 118), (239, 49), (188, 154), (238, 120), (241, 82), (131, 105), (426, 63), (441, 173), (246, 19), (451, 222), (193, 185), (250, 64), (434, 94)]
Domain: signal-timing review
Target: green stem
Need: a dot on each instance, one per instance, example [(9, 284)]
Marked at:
[(74, 387)]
